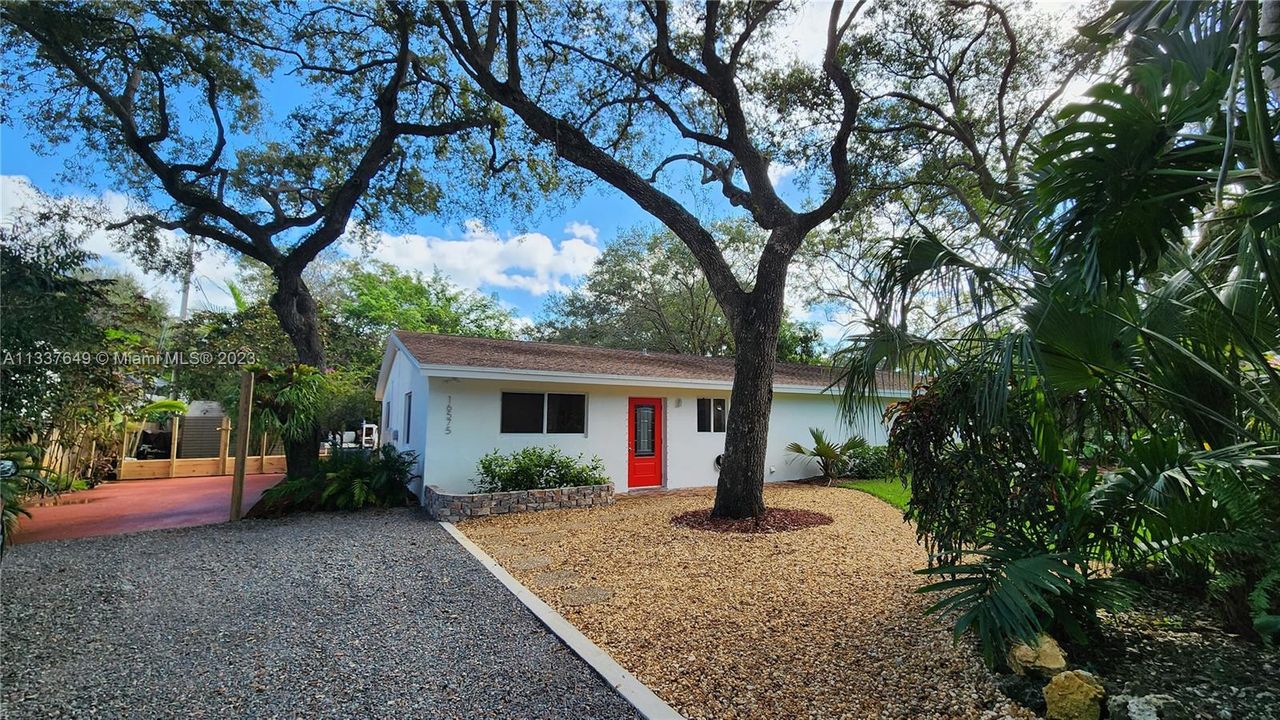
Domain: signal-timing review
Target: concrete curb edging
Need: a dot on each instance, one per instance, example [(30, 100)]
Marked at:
[(644, 700)]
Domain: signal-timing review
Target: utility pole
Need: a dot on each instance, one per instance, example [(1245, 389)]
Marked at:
[(186, 283)]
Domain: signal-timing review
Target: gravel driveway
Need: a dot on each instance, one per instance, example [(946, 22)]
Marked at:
[(374, 614)]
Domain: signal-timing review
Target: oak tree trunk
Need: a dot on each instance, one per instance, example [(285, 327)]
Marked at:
[(756, 324), (296, 310)]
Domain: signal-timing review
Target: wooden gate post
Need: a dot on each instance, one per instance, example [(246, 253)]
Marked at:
[(175, 429), (224, 444), (242, 443)]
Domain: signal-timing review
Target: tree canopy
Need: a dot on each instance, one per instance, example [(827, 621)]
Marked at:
[(646, 292), (376, 298), (367, 300), (1111, 403)]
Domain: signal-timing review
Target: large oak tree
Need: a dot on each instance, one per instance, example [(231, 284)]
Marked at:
[(269, 129), (628, 92)]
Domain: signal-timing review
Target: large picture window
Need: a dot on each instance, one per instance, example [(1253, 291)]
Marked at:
[(566, 413), (522, 412), (711, 412), (551, 413)]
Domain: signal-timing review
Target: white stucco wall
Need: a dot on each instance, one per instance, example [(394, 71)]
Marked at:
[(463, 424), (405, 377)]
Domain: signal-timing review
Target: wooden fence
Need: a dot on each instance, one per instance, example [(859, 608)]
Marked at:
[(224, 464), (197, 467)]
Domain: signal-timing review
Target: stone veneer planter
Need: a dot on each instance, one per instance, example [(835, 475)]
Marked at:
[(452, 507)]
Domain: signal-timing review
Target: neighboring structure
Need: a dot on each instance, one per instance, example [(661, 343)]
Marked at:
[(200, 430), (655, 419)]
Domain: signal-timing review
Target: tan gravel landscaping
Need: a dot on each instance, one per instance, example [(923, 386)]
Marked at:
[(814, 623)]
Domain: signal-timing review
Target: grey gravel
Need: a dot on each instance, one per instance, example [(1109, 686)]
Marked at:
[(370, 615)]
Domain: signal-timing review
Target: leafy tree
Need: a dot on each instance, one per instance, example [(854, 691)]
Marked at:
[(1122, 408), (47, 305), (65, 324), (168, 97), (363, 306), (801, 342), (969, 89), (251, 335), (646, 292), (378, 297)]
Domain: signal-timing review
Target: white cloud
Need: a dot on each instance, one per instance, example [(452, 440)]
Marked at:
[(582, 231), (779, 171), (803, 34), (212, 271), (481, 259)]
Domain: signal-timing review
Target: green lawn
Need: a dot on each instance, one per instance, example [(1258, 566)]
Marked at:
[(890, 491)]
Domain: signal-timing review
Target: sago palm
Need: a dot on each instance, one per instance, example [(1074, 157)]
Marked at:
[(832, 458)]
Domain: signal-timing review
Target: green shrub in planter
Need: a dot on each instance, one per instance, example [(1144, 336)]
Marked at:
[(536, 468), (348, 479)]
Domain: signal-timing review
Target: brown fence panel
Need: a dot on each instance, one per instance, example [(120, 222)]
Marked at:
[(196, 467)]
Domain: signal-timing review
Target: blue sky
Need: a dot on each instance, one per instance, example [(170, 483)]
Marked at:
[(520, 260), (598, 215)]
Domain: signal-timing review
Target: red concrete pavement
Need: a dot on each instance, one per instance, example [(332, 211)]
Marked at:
[(133, 505)]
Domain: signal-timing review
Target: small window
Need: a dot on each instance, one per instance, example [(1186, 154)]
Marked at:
[(644, 431), (711, 414), (408, 414), (522, 412), (566, 413), (386, 414)]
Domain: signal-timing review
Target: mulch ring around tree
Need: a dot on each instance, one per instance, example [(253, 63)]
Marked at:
[(774, 520)]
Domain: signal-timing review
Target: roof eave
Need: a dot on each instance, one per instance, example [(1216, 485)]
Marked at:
[(394, 345), (512, 374)]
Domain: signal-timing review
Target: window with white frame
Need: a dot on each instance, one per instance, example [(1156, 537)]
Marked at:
[(543, 413), (711, 413)]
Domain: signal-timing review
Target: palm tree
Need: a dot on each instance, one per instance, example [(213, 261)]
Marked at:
[(833, 459)]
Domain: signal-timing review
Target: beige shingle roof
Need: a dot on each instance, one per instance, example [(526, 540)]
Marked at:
[(432, 349)]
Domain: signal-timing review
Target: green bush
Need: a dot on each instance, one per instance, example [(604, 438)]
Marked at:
[(346, 480), (868, 462), (536, 468), (66, 482)]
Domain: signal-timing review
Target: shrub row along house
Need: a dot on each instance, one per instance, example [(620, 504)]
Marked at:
[(654, 419)]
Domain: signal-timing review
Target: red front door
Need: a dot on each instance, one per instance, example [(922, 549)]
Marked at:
[(644, 442)]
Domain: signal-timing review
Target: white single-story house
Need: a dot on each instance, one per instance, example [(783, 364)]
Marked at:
[(655, 419)]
